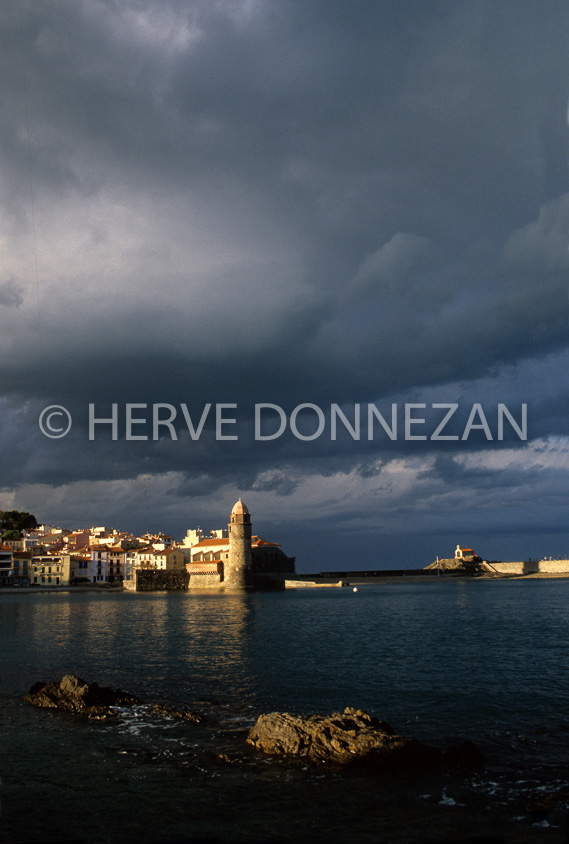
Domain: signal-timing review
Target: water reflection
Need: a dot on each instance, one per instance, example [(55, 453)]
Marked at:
[(52, 620), (433, 652), (216, 640)]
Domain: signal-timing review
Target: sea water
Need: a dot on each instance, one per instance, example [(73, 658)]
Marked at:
[(444, 661)]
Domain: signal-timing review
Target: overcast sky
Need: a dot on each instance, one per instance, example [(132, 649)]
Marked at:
[(288, 202)]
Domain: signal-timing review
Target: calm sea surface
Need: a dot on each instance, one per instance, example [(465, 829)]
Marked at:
[(442, 661)]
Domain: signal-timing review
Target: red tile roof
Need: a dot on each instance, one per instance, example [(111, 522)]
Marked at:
[(210, 543)]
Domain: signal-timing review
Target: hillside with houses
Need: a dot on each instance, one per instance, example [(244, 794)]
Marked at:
[(47, 555)]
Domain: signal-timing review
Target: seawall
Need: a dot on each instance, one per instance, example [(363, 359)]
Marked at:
[(148, 580), (531, 567)]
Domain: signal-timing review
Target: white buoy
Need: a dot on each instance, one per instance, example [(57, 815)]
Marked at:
[(355, 589)]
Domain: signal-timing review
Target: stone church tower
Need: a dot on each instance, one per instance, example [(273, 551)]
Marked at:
[(237, 573)]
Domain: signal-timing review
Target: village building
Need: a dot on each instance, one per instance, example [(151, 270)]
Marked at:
[(107, 564), (21, 568), (129, 564), (59, 569), (48, 570), (145, 557), (158, 541), (76, 540), (169, 559), (79, 567), (16, 544), (463, 553), (6, 560), (39, 543)]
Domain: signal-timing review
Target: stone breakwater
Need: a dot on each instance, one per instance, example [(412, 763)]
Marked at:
[(559, 567), (478, 566)]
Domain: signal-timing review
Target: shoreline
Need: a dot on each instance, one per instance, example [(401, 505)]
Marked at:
[(304, 583), (362, 581), (26, 590)]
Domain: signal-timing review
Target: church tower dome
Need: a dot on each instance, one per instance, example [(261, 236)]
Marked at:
[(240, 509)]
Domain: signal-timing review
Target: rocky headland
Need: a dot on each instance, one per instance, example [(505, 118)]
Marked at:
[(463, 565)]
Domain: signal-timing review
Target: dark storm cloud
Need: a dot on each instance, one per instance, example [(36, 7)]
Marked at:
[(279, 202)]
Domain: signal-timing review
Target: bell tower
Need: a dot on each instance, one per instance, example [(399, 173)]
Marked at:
[(238, 567)]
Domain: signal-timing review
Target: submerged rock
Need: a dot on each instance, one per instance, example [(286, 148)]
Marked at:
[(76, 695), (341, 739), (183, 714), (463, 757)]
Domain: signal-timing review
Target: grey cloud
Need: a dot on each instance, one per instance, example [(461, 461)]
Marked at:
[(541, 246), (11, 293), (390, 266), (276, 480), (306, 202), (370, 468)]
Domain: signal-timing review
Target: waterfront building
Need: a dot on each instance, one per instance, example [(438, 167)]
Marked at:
[(209, 549), (169, 559), (115, 564), (21, 568), (47, 570), (6, 560), (129, 564), (145, 557), (76, 567), (107, 564), (99, 564), (238, 559)]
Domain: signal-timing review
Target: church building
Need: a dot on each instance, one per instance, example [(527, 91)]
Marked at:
[(238, 560)]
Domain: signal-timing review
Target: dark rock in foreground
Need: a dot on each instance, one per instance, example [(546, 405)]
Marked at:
[(341, 739), (76, 695)]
